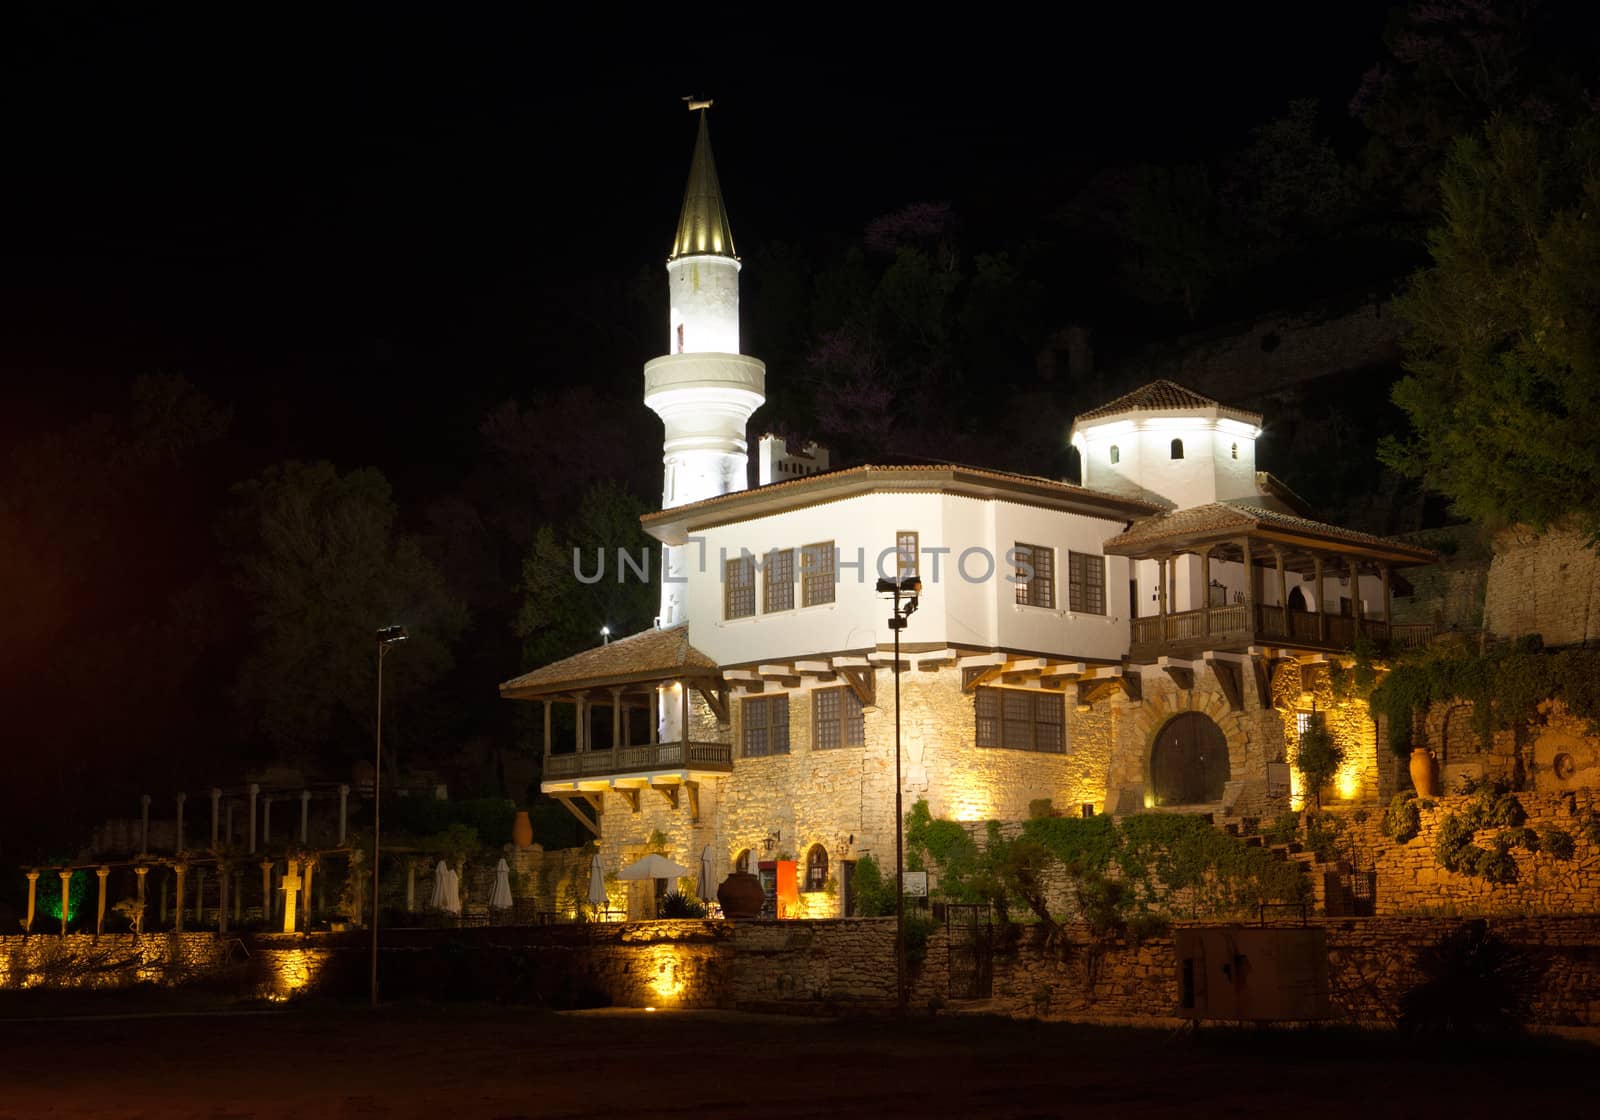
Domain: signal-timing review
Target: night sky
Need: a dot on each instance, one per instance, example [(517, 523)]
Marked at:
[(363, 231)]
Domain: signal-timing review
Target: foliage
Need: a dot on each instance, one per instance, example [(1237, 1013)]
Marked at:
[(1505, 687), (947, 844), (1402, 820), (1318, 757), (560, 614), (918, 928), (1323, 833), (1503, 349), (1146, 926), (872, 894), (1282, 829), (1557, 843), (1492, 807), (322, 564), (1086, 842), (1473, 983), (1176, 852), (1589, 825), (656, 842), (678, 905), (1040, 807), (1102, 903)]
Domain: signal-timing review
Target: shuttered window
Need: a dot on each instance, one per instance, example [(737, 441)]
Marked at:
[(836, 719), (1086, 583), (1021, 720), (765, 728)]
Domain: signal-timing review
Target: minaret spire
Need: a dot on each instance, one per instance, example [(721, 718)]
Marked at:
[(703, 226)]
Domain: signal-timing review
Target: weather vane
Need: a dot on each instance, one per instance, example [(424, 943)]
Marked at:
[(697, 102)]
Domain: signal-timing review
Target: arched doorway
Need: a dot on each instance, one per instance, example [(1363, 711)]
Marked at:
[(1189, 761), (1297, 600)]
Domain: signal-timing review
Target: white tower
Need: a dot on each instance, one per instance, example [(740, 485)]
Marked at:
[(704, 390)]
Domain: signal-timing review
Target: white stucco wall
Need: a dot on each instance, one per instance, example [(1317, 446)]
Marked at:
[(704, 301), (1208, 471)]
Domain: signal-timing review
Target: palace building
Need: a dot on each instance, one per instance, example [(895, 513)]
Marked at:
[(1154, 638)]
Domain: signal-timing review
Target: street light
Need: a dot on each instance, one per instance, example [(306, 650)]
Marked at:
[(387, 637), (906, 589)]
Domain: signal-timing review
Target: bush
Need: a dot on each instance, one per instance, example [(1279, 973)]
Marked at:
[(1284, 829), (873, 896), (1143, 927), (919, 927), (1557, 843), (1040, 807), (1473, 983), (1318, 758), (1403, 819), (676, 905)]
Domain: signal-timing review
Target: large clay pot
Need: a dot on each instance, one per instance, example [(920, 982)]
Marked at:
[(741, 896), (522, 830), (1422, 773)]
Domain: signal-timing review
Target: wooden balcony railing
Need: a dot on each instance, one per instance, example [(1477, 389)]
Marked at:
[(639, 758), (1221, 625)]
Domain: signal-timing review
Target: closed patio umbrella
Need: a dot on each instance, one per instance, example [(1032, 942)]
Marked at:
[(500, 897), (597, 883), (441, 880), (452, 892), (705, 887)]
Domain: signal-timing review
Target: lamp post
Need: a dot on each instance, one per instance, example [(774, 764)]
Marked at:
[(387, 637), (905, 592)]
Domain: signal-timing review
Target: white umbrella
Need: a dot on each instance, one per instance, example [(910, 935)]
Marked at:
[(500, 897), (441, 879), (704, 889), (653, 866), (597, 883), (452, 892)]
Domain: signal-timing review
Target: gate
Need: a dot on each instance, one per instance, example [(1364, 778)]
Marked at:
[(971, 939)]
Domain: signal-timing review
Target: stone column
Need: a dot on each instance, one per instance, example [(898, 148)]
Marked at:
[(66, 896), (266, 819), (216, 800), (179, 871), (138, 918), (144, 824), (266, 890), (33, 895), (253, 791), (178, 847), (224, 876), (199, 895), (305, 814), (101, 873), (305, 893), (291, 888), (344, 807)]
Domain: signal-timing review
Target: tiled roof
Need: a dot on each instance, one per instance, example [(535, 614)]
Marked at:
[(936, 473), (650, 654), (1216, 518), (1161, 396)]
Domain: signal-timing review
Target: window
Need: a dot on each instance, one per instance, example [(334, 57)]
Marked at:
[(739, 587), (1304, 721), (816, 574), (1039, 590), (1116, 454), (766, 725), (1086, 583), (1177, 449), (1021, 720), (1235, 450), (816, 869), (905, 555), (836, 719), (777, 581)]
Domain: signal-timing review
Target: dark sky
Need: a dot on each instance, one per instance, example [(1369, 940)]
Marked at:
[(362, 230)]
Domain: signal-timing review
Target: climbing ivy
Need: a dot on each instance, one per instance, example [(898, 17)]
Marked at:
[(1505, 687), (1493, 807), (1402, 820)]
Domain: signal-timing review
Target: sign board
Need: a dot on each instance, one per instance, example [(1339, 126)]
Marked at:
[(915, 883)]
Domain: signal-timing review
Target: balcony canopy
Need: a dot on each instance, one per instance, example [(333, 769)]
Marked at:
[(1220, 526), (639, 659)]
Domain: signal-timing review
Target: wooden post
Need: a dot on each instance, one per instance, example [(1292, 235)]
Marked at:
[(1283, 591), (102, 873), (33, 895), (179, 871), (1161, 595), (1355, 593), (683, 732), (1249, 587), (1322, 604), (547, 706), (1205, 591), (616, 718), (1388, 608)]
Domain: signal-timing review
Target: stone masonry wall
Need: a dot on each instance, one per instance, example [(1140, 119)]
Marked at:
[(1543, 583)]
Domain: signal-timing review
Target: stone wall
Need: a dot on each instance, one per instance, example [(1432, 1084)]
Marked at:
[(1543, 583)]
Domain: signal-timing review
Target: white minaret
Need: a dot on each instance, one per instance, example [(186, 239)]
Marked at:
[(704, 390)]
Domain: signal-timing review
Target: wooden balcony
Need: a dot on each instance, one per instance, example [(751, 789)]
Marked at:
[(1241, 624), (640, 759)]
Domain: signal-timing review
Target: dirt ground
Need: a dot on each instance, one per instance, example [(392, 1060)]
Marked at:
[(466, 1061)]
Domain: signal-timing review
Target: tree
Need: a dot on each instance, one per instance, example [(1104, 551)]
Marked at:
[(562, 613), (1318, 757), (322, 566), (1503, 355)]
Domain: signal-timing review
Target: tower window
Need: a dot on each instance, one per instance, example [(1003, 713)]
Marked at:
[(1236, 451), (680, 338), (1116, 454), (1177, 449)]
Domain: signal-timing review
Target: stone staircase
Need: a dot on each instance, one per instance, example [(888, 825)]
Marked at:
[(1334, 888)]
